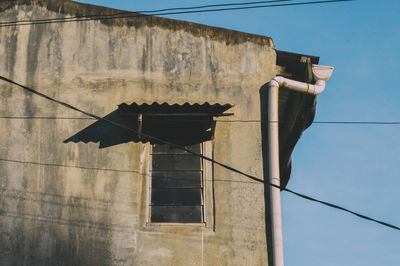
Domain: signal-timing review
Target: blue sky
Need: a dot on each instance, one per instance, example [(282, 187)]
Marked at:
[(356, 166)]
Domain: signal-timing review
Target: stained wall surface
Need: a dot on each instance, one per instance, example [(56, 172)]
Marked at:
[(78, 204)]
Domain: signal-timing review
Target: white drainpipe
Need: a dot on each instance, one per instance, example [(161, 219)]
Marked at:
[(321, 74)]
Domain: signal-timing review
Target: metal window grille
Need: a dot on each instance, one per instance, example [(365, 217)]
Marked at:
[(176, 185)]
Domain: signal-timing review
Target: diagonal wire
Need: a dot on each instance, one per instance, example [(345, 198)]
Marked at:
[(147, 11), (130, 129), (203, 157), (132, 15), (354, 122), (341, 208)]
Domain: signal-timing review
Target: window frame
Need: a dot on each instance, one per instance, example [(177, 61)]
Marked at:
[(207, 217)]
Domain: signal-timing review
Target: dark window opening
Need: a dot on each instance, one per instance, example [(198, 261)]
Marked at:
[(185, 124), (176, 185)]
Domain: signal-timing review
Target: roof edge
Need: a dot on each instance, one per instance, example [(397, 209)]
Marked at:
[(73, 8)]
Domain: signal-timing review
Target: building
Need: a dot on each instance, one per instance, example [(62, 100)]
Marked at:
[(74, 191)]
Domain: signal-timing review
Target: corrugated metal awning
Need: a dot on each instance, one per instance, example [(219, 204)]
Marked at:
[(165, 108), (184, 124)]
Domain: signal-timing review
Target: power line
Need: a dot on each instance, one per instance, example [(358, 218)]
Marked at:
[(149, 11), (133, 15), (68, 222), (69, 166), (44, 118), (342, 209), (110, 170), (359, 122), (209, 120), (128, 128), (254, 178), (214, 5)]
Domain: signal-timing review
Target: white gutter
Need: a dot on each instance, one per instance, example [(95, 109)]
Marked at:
[(321, 74)]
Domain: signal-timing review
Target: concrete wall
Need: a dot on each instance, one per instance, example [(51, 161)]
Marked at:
[(76, 204)]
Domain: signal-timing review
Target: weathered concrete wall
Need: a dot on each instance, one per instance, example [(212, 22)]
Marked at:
[(76, 204)]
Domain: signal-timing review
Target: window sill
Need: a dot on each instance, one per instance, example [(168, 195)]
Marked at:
[(176, 227), (177, 224)]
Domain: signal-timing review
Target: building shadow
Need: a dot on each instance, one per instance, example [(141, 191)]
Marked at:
[(179, 124), (107, 134)]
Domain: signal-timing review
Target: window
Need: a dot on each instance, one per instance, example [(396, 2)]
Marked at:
[(177, 185), (178, 190)]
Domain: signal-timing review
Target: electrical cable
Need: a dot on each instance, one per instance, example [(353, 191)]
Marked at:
[(128, 128), (109, 170), (201, 156), (217, 120), (69, 166), (149, 11), (132, 15)]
